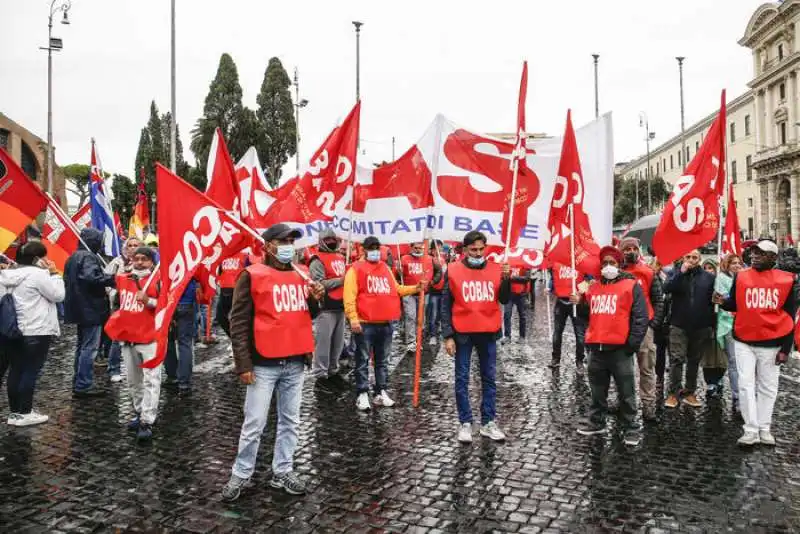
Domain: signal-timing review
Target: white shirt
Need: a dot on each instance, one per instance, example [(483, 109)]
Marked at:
[(35, 292)]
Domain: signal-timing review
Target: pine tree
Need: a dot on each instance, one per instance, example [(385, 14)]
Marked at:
[(278, 139), (125, 197), (144, 160)]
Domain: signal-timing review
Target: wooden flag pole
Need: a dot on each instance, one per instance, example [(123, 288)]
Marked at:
[(418, 353)]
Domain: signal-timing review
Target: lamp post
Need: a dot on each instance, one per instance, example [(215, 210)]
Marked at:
[(683, 127), (358, 25), (173, 127), (596, 89), (297, 105), (52, 44), (649, 136)]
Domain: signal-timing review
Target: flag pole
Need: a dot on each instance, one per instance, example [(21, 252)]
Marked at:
[(574, 273), (512, 201), (549, 308)]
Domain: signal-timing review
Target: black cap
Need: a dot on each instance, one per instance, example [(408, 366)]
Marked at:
[(281, 231), (145, 251), (371, 242)]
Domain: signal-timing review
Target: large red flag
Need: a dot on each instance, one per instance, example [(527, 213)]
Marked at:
[(731, 235), (408, 176), (513, 224), (567, 228), (222, 185), (21, 200), (201, 231), (691, 215)]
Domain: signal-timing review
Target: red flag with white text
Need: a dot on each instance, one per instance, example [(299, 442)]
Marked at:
[(731, 234), (691, 215), (520, 204)]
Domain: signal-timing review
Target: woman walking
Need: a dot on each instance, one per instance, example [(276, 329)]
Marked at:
[(730, 265)]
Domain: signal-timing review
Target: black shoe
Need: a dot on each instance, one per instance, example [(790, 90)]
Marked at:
[(554, 364), (649, 414), (184, 392), (633, 437), (88, 393), (133, 424), (592, 429), (144, 434), (338, 381), (170, 383)]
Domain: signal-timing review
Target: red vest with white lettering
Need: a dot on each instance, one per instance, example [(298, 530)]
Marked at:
[(520, 288), (282, 322), (417, 269), (377, 300), (133, 322), (475, 292), (230, 269), (644, 276), (334, 268), (609, 312), (562, 280), (760, 297)]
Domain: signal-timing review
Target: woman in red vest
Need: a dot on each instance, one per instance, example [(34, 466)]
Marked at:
[(272, 339), (474, 291), (133, 325), (618, 322)]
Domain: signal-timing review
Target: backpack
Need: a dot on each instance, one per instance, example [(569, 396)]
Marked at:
[(9, 328)]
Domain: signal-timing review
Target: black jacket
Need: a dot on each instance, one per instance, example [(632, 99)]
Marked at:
[(656, 294), (637, 323), (85, 283), (446, 304), (691, 299)]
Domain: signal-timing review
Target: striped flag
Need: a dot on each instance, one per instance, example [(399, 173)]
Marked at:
[(140, 220), (102, 213), (21, 200)]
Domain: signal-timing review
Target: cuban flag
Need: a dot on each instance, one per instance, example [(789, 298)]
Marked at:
[(102, 213)]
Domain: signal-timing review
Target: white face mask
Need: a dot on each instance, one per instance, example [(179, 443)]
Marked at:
[(610, 272)]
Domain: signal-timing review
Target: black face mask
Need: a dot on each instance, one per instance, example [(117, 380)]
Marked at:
[(330, 245), (631, 258), (763, 264)]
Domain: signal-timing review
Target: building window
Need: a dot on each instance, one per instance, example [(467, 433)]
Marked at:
[(651, 172), (746, 125), (696, 147), (783, 133), (4, 135), (28, 161), (733, 132), (749, 170), (733, 171), (658, 168), (780, 52), (750, 202), (680, 158), (671, 162), (688, 155), (782, 91), (664, 164), (750, 227)]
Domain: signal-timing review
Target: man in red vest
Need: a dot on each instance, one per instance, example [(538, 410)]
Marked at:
[(474, 292), (434, 296), (416, 267), (133, 326), (618, 322), (520, 286), (327, 266), (654, 299), (372, 303), (765, 301), (272, 339), (562, 277), (229, 271)]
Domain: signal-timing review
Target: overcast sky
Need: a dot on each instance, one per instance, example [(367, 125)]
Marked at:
[(461, 58)]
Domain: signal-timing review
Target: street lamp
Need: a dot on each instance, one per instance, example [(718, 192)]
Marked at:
[(358, 25), (298, 103), (683, 128), (52, 44), (596, 58), (649, 136)]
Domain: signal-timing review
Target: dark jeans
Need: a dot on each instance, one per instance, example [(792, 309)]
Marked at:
[(85, 352), (224, 310), (26, 361), (433, 313), (603, 366), (532, 293), (662, 344), (486, 345), (686, 349), (561, 312), (111, 351), (518, 300), (375, 339), (180, 348)]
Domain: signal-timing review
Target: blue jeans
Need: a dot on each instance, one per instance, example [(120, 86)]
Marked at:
[(518, 300), (26, 364), (114, 359), (287, 380), (733, 374), (200, 331), (375, 339), (85, 352), (487, 355), (433, 313), (180, 349)]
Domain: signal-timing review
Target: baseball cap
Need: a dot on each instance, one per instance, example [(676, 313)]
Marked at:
[(371, 242), (281, 231), (765, 245)]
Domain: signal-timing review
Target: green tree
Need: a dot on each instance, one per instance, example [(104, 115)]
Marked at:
[(247, 133), (124, 190), (276, 116), (222, 109), (144, 160), (181, 166), (625, 198), (77, 175)]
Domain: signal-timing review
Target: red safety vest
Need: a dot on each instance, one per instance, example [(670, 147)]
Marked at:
[(475, 298), (438, 286), (281, 322), (520, 288), (133, 322), (562, 280), (377, 300), (384, 254), (230, 269), (760, 296), (610, 312), (644, 276), (334, 268), (417, 269)]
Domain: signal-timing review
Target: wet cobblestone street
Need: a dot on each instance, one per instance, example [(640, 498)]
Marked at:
[(396, 469)]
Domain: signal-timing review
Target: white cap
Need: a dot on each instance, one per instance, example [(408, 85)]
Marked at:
[(766, 245)]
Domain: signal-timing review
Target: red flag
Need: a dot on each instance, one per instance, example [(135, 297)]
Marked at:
[(691, 215), (731, 236), (83, 217), (59, 235), (222, 185), (21, 200), (200, 231), (141, 212), (514, 224), (565, 227), (407, 177)]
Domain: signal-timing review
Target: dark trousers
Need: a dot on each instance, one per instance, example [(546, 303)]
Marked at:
[(561, 312), (375, 339), (25, 363), (532, 293), (486, 345), (179, 361), (518, 301), (224, 310), (686, 349), (662, 344), (603, 366)]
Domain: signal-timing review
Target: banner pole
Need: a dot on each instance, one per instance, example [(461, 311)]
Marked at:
[(511, 203), (208, 321), (549, 308), (574, 273)]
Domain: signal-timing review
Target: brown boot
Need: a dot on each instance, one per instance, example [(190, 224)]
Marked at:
[(691, 400), (671, 402)]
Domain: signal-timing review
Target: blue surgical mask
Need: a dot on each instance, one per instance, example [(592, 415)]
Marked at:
[(285, 253), (476, 262), (373, 255)]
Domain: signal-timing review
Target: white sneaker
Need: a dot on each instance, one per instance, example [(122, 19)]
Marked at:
[(201, 345), (465, 433), (766, 438), (362, 402), (32, 418), (433, 341), (14, 419), (383, 399), (492, 431), (748, 438), (116, 378)]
